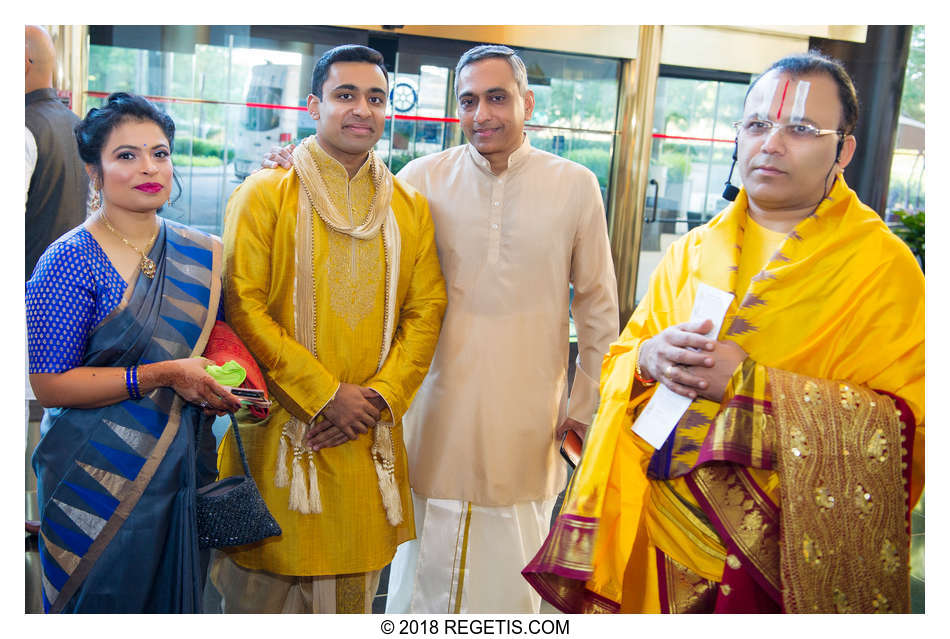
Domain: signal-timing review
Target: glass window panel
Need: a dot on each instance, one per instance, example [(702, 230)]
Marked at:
[(908, 181), (205, 76), (693, 142)]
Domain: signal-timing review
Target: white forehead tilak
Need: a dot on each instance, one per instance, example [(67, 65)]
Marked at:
[(774, 88), (798, 108), (768, 92)]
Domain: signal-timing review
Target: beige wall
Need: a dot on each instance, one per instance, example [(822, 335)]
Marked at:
[(748, 48), (745, 49), (615, 41)]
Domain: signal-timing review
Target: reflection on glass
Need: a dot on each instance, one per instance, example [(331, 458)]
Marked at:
[(262, 119), (573, 91), (575, 110), (208, 78), (693, 142)]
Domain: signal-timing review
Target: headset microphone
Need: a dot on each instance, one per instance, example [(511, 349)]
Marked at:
[(732, 191)]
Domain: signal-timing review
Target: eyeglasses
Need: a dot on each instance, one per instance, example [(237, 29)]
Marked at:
[(755, 127)]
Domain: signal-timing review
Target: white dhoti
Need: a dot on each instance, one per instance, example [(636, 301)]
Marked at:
[(468, 558)]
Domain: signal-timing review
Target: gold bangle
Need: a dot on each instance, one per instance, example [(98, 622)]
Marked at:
[(638, 374)]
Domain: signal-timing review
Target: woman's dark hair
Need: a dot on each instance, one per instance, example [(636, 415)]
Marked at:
[(93, 130), (343, 53)]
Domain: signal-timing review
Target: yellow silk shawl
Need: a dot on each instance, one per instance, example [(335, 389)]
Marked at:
[(842, 299)]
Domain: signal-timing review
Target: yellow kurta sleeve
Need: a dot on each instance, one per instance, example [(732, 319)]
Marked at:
[(421, 311), (259, 226)]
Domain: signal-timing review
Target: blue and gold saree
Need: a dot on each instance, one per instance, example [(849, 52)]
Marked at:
[(116, 485)]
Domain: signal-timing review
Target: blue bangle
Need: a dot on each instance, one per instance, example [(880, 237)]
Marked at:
[(128, 381), (135, 382), (132, 382)]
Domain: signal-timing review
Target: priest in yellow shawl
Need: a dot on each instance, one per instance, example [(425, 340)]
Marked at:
[(787, 483), (333, 281)]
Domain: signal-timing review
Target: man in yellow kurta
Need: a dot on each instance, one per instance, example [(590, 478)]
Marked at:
[(333, 283), (787, 483)]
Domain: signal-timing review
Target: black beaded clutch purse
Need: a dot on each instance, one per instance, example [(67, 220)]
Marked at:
[(231, 511)]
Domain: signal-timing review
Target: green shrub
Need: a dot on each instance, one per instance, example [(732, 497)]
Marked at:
[(200, 147), (195, 160), (679, 164), (912, 232), (595, 159), (398, 161)]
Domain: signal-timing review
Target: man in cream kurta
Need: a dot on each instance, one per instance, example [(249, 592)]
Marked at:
[(515, 226), (333, 282)]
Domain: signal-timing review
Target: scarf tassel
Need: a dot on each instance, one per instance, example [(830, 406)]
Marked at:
[(304, 486), (384, 461), (282, 477), (298, 488)]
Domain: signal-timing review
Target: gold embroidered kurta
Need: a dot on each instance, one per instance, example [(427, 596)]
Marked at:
[(351, 534)]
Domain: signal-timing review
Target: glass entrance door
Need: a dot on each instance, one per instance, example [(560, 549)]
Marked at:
[(421, 107), (236, 91), (693, 141)]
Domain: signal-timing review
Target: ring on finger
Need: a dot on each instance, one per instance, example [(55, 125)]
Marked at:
[(669, 371), (203, 404)]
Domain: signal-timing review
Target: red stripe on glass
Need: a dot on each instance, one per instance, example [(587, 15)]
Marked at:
[(409, 118), (660, 136), (261, 105)]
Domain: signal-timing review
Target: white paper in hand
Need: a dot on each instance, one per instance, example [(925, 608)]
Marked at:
[(665, 408)]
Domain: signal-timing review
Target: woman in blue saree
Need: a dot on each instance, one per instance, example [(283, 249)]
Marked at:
[(118, 313)]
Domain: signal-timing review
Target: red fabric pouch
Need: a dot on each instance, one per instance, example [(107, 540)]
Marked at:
[(223, 346)]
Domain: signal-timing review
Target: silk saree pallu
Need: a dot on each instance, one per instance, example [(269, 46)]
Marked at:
[(116, 484), (833, 325)]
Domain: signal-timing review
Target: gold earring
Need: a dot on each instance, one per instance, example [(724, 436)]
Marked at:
[(96, 202)]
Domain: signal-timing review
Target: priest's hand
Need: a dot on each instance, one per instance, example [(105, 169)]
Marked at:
[(278, 156), (571, 424), (666, 357), (351, 411), (727, 357)]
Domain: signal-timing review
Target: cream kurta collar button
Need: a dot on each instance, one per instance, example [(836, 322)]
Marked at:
[(480, 160), (520, 153), (513, 160)]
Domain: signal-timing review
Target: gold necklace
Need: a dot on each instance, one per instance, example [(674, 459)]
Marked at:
[(146, 264)]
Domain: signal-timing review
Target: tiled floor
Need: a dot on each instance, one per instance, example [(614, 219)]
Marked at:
[(917, 558), (379, 601)]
